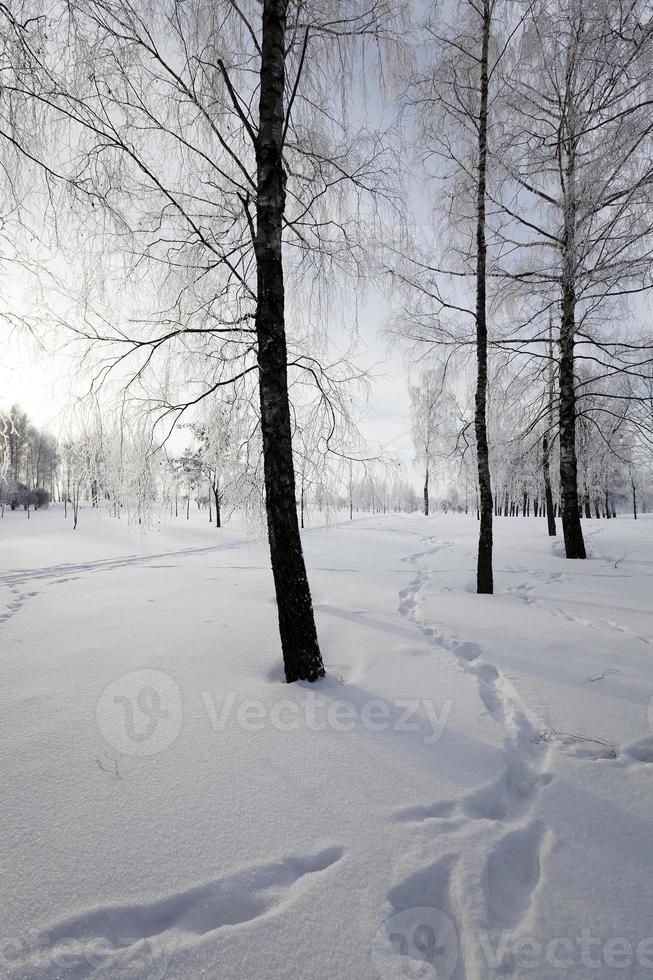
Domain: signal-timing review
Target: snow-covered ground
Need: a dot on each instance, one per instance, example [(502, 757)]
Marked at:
[(468, 794)]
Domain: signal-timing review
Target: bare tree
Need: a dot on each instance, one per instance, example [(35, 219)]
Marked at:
[(205, 139), (577, 226), (460, 129)]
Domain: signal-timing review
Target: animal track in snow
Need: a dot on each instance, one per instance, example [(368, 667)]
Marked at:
[(16, 603), (224, 902), (501, 801), (60, 574), (525, 592), (512, 873), (641, 751), (511, 870)]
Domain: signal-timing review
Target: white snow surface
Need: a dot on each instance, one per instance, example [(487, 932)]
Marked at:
[(466, 795)]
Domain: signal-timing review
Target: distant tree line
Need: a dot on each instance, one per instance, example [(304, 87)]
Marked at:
[(29, 462)]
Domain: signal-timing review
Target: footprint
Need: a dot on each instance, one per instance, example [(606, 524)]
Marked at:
[(419, 937), (487, 803), (428, 886), (512, 874), (488, 673), (468, 650), (642, 750), (230, 901), (435, 811)]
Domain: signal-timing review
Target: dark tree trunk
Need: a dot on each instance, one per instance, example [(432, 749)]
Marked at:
[(299, 644), (571, 526), (426, 492), (218, 516), (550, 516), (632, 484), (484, 580)]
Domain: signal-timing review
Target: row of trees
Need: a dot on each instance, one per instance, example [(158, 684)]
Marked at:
[(614, 460), (538, 116), (28, 462), (220, 470)]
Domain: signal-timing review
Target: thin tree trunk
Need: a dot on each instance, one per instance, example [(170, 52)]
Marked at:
[(218, 515), (632, 483), (484, 580), (550, 517), (351, 492), (426, 493), (571, 525), (299, 644)]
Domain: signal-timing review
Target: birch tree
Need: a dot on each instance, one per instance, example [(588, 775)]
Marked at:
[(579, 218), (213, 150), (460, 129)]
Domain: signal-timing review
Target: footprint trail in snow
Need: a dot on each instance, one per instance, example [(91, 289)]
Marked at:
[(497, 847)]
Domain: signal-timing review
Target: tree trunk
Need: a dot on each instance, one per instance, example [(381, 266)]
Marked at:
[(426, 493), (632, 483), (550, 517), (484, 580), (218, 515), (571, 526), (299, 644)]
